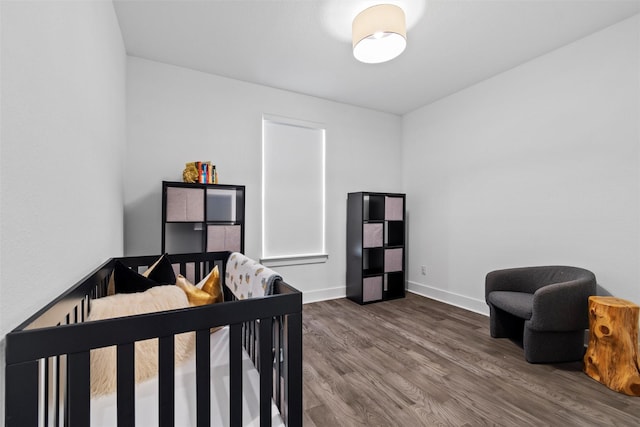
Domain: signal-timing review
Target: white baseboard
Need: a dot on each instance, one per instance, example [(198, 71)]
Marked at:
[(324, 294), (471, 304)]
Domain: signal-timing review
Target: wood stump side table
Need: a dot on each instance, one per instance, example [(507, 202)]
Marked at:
[(612, 355)]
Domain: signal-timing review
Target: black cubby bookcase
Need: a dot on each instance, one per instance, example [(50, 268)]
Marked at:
[(376, 250), (202, 217)]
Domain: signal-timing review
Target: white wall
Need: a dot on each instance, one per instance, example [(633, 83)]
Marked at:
[(62, 139), (538, 165), (176, 115)]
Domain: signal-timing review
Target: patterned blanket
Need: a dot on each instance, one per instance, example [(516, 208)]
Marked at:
[(247, 278)]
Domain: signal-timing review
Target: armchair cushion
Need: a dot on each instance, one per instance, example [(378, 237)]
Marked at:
[(519, 304)]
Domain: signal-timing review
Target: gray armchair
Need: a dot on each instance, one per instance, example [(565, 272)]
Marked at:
[(545, 307)]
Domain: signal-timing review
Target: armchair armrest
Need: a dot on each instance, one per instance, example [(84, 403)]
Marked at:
[(562, 306)]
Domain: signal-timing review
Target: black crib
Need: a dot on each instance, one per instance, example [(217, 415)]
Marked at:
[(56, 343)]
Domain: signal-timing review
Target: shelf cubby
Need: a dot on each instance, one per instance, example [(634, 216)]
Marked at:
[(202, 217)]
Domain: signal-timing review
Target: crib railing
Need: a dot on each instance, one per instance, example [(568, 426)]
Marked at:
[(48, 356)]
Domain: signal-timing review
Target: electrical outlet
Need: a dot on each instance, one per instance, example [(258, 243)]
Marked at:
[(424, 270)]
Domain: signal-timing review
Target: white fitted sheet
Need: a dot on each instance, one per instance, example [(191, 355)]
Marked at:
[(104, 413)]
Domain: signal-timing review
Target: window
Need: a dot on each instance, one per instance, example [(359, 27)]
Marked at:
[(293, 191)]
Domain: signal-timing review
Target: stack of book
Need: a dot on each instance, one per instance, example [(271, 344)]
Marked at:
[(207, 173)]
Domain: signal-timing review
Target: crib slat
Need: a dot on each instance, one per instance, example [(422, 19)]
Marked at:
[(166, 381), (197, 275), (252, 343), (57, 391), (235, 374), (126, 385), (21, 404), (45, 392), (245, 337), (266, 371), (203, 381), (277, 334), (79, 387)]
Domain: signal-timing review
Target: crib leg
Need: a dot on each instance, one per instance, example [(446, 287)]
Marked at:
[(294, 369), (21, 404)]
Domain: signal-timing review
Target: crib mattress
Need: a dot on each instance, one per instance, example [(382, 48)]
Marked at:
[(104, 413)]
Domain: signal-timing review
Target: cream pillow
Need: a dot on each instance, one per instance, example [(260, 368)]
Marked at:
[(103, 360)]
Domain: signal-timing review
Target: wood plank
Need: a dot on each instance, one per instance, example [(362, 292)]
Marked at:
[(416, 361)]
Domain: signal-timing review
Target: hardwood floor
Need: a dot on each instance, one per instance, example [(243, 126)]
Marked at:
[(419, 362)]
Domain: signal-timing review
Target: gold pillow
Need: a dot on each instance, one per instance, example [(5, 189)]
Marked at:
[(196, 296), (208, 291), (211, 285)]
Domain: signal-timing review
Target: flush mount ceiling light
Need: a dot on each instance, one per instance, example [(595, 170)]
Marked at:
[(379, 34)]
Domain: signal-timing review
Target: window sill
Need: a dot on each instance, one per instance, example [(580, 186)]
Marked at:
[(280, 261)]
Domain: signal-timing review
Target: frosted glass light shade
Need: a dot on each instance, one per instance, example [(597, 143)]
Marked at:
[(379, 34)]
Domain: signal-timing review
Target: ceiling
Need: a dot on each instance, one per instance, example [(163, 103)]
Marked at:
[(304, 46)]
